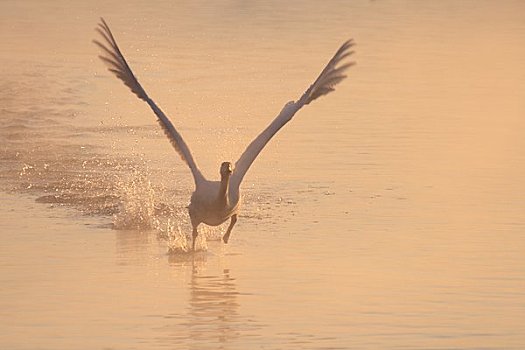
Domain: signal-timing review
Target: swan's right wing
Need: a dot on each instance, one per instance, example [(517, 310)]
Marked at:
[(331, 75), (113, 58)]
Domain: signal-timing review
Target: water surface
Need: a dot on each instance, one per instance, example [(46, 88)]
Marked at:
[(387, 215)]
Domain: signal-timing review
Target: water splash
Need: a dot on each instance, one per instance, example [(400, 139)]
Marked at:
[(178, 241), (137, 206)]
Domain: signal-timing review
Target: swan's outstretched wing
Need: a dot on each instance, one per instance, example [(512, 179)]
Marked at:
[(331, 75), (117, 64)]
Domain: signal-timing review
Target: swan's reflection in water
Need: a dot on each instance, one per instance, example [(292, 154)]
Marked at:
[(195, 299), (213, 302), (213, 318)]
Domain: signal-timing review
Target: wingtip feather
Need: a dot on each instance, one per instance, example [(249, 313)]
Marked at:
[(331, 75)]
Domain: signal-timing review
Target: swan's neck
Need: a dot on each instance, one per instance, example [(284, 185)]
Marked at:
[(223, 190)]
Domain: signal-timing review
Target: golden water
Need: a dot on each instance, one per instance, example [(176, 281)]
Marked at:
[(387, 215)]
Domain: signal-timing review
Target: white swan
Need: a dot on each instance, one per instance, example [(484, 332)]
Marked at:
[(214, 202)]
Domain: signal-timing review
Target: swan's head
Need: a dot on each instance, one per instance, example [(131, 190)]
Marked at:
[(226, 169)]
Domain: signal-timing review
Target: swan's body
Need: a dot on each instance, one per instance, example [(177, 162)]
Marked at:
[(214, 202)]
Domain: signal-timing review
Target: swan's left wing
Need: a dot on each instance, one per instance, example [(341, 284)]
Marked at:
[(117, 64), (331, 75)]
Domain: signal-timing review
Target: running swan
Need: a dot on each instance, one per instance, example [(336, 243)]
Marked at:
[(214, 202)]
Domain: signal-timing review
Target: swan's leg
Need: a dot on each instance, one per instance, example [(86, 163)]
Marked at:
[(195, 233), (226, 236)]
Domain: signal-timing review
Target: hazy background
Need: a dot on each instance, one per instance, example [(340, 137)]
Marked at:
[(389, 214)]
